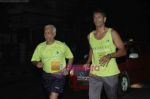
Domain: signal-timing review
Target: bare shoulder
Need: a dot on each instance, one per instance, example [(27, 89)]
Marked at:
[(115, 34), (88, 36), (117, 39)]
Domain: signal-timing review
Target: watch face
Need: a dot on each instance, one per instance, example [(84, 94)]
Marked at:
[(109, 55)]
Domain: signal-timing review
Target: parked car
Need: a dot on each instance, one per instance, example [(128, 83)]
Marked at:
[(134, 68)]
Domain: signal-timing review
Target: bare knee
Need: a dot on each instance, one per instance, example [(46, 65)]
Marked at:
[(53, 95)]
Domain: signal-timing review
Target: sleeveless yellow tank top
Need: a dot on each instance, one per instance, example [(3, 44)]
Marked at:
[(100, 48)]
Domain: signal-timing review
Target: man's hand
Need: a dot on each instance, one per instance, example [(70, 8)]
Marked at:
[(72, 72), (68, 70), (86, 66), (104, 60), (65, 71), (39, 65)]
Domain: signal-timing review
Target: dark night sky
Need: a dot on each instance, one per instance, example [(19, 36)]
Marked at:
[(73, 19), (130, 17)]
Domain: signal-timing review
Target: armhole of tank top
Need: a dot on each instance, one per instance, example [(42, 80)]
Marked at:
[(111, 36), (90, 35)]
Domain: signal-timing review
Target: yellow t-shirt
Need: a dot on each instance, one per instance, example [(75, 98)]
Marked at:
[(101, 48), (53, 56)]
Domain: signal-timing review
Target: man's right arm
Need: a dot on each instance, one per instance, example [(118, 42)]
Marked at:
[(90, 52), (89, 57), (36, 58), (38, 64), (34, 63), (89, 60)]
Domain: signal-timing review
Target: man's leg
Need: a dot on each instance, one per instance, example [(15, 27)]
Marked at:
[(57, 88), (53, 85), (111, 86), (95, 87), (53, 95)]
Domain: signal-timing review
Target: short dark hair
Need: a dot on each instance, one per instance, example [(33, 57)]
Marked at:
[(99, 11)]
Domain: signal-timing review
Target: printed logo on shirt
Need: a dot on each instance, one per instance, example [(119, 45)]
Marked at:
[(55, 66)]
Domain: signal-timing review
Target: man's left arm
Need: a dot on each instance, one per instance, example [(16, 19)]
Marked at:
[(121, 51), (69, 56), (70, 61)]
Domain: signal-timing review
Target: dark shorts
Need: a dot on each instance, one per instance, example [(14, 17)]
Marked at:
[(53, 83)]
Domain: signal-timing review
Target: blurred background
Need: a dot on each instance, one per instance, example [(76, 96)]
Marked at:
[(22, 22)]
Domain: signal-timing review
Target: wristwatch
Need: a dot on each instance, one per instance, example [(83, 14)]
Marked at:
[(109, 55)]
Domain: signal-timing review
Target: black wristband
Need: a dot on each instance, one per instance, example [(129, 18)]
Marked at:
[(109, 55)]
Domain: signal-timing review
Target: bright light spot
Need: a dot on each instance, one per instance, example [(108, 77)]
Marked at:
[(137, 85)]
